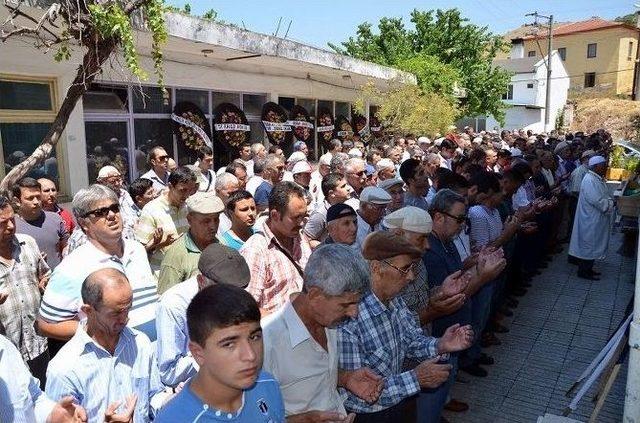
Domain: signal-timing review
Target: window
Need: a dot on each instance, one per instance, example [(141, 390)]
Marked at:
[(252, 104), (592, 50), (199, 98), (562, 52), (102, 98), (309, 105), (343, 109), (530, 85), (151, 100), (287, 102), (589, 79), (531, 53), (107, 145), (509, 94), (149, 133), (27, 108), (325, 104), (630, 51), (219, 98)]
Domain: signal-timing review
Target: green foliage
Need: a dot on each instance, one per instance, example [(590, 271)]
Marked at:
[(433, 75), (112, 22), (406, 108), (629, 19), (616, 158), (187, 8), (560, 118), (447, 38)]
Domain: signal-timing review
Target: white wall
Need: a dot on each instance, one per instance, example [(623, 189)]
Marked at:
[(519, 117)]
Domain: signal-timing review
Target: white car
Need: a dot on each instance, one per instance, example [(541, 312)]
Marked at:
[(630, 149)]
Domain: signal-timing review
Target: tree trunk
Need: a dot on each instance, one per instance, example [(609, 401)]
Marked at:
[(92, 62)]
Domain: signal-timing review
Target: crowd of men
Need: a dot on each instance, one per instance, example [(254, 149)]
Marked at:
[(360, 288)]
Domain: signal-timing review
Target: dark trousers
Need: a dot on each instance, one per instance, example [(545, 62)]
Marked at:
[(585, 267), (38, 367), (395, 414)]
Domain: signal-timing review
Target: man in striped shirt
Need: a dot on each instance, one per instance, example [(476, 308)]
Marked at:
[(98, 214)]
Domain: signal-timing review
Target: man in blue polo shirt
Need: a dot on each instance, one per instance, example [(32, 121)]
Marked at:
[(226, 342)]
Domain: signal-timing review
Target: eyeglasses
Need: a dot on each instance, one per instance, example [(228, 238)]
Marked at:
[(460, 219), (404, 270), (361, 173), (162, 158), (103, 211)]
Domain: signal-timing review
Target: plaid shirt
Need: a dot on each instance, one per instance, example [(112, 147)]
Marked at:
[(158, 213), (273, 276), (20, 280), (381, 337)]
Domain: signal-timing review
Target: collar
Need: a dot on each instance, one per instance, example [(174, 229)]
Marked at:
[(374, 305), (156, 178), (298, 332), (190, 244), (88, 343)]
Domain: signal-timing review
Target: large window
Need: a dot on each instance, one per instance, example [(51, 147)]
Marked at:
[(509, 94), (592, 50), (562, 52), (123, 122), (589, 79), (27, 109)]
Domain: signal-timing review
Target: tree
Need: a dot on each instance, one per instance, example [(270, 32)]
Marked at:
[(97, 28), (404, 108), (440, 40), (629, 19)]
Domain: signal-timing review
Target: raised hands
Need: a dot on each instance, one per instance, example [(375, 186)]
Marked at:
[(364, 383), (432, 374), (110, 415), (66, 411), (491, 263), (455, 338)]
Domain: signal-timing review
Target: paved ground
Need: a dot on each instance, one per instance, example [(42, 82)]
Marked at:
[(558, 328)]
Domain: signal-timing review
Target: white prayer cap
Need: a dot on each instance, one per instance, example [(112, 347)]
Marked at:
[(438, 141), (325, 159), (355, 152), (296, 157), (424, 140), (596, 160), (385, 163), (409, 218), (301, 167), (106, 171)]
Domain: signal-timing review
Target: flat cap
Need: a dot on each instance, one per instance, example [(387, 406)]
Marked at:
[(588, 153), (338, 211), (384, 164), (225, 265), (382, 245), (205, 203), (561, 146), (409, 218), (388, 183), (302, 166), (596, 160), (325, 159), (375, 195)]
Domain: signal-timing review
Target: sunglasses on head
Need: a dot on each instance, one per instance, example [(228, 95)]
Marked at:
[(104, 211)]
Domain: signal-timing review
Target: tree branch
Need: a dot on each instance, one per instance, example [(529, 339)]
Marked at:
[(48, 16)]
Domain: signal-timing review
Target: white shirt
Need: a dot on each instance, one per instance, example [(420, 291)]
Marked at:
[(519, 199), (206, 182), (444, 162), (174, 359), (308, 374), (253, 183), (249, 165), (159, 185), (95, 378), (224, 224), (62, 300), (21, 400), (315, 188)]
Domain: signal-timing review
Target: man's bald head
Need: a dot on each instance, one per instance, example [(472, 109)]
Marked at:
[(94, 285)]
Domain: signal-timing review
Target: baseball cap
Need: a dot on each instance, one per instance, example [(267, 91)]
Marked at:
[(339, 210), (225, 265)]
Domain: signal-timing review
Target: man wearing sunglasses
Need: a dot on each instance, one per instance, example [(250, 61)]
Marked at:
[(356, 178), (97, 212), (159, 169), (385, 333)]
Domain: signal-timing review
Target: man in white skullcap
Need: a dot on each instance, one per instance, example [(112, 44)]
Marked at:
[(592, 223)]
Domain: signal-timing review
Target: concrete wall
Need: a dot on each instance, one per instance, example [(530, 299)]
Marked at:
[(518, 117), (611, 71)]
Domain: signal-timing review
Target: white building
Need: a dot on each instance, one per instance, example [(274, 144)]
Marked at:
[(526, 94), (205, 63)]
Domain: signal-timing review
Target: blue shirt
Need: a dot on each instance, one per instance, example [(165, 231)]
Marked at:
[(262, 194), (260, 404), (229, 239), (381, 337)]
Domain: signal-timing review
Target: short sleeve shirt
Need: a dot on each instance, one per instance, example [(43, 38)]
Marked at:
[(260, 403), (262, 193), (316, 227), (49, 232), (179, 264)]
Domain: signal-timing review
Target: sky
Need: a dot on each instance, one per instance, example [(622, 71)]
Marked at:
[(318, 22)]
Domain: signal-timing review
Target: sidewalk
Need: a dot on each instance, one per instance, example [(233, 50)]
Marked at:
[(559, 327)]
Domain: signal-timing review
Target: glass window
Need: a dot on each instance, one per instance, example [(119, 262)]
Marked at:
[(18, 95), (531, 53), (325, 104), (107, 145), (592, 50), (105, 99), (529, 85), (219, 98), (18, 142), (630, 51), (197, 97), (252, 104), (562, 51), (151, 100), (257, 132), (287, 102), (509, 94), (308, 104), (150, 133), (343, 109)]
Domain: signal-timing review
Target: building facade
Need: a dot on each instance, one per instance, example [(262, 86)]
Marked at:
[(597, 54), (526, 93), (205, 62)]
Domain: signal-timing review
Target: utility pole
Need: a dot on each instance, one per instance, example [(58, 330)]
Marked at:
[(635, 95), (547, 100)]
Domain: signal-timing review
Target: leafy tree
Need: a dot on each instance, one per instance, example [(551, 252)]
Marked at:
[(440, 40), (97, 28), (404, 108), (629, 19)]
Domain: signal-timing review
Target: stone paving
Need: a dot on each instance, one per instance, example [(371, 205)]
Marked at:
[(559, 327)]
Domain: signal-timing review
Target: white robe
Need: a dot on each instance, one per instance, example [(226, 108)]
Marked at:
[(592, 224)]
